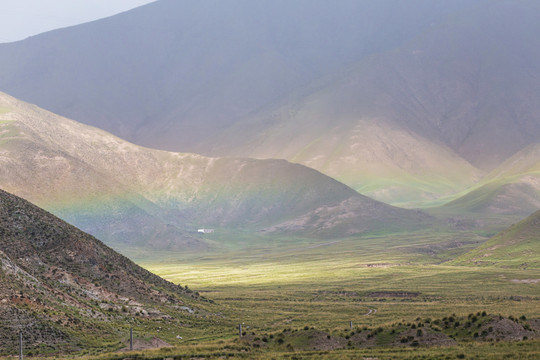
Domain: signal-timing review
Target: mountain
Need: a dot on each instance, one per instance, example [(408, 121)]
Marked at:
[(181, 75), (403, 101), (171, 73), (513, 188), (64, 289), (416, 122), (333, 131), (516, 246), (132, 196)]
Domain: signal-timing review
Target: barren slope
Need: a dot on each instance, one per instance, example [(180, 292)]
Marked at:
[(61, 287), (131, 195)]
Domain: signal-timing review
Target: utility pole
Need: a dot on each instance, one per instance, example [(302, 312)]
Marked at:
[(350, 324), (130, 339), (20, 346), (240, 330)]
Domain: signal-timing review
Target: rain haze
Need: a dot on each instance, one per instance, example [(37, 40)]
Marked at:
[(23, 18)]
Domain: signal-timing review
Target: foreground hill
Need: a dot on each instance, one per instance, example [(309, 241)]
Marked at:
[(62, 287), (517, 246), (134, 196)]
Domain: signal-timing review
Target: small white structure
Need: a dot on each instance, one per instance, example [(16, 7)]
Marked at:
[(206, 231)]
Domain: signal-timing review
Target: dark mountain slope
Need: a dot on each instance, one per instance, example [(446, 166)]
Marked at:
[(53, 275), (171, 73), (464, 89)]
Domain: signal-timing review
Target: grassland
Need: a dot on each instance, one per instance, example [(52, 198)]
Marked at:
[(374, 282), (379, 281)]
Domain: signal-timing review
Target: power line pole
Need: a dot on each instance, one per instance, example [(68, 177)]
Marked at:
[(20, 346)]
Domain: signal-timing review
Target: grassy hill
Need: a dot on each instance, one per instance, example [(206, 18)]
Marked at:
[(517, 246), (67, 291), (133, 196), (513, 188)]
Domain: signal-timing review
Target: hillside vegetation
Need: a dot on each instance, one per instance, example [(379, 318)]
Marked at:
[(513, 188), (516, 246)]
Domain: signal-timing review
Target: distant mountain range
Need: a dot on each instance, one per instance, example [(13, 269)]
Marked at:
[(63, 288), (405, 101), (132, 196), (413, 103)]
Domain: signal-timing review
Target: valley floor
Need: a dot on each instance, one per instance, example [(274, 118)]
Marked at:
[(307, 295)]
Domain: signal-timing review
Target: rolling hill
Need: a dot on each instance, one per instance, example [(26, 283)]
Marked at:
[(516, 246), (132, 196), (64, 289), (513, 188)]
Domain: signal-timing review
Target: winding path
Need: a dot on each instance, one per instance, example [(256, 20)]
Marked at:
[(370, 312)]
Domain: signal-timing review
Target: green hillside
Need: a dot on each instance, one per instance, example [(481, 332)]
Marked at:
[(513, 188), (517, 246)]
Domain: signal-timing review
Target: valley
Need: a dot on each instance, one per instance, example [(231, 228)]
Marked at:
[(273, 180), (277, 294)]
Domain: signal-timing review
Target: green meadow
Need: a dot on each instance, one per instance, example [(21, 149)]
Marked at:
[(376, 281), (288, 297)]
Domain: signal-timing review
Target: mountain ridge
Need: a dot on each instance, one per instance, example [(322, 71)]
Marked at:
[(217, 63), (136, 195)]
